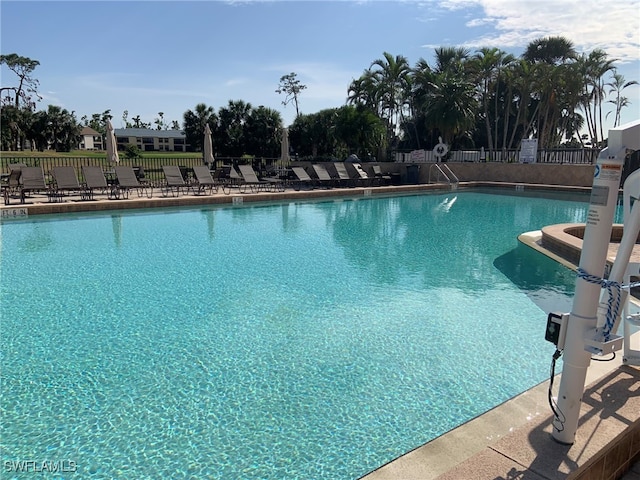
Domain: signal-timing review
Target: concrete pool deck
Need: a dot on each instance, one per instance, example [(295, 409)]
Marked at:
[(512, 441)]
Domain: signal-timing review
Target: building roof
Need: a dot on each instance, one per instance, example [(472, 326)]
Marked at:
[(89, 131), (147, 132)]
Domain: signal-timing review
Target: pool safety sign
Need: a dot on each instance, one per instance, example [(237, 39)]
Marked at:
[(528, 150), (608, 172), (606, 181)]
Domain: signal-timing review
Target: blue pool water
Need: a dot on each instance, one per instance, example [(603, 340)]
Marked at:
[(304, 340)]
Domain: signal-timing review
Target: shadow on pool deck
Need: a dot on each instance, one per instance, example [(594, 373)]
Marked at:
[(512, 441)]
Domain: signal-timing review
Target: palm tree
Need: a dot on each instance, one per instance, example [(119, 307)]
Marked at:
[(391, 77), (232, 121), (451, 106), (263, 132), (550, 50), (364, 91), (489, 64), (452, 60), (194, 124), (618, 84), (593, 69), (552, 57)]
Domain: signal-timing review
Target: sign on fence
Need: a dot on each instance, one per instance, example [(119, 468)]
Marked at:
[(418, 156), (528, 150)]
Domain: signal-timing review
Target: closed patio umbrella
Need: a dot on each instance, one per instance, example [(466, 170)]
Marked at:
[(208, 147), (112, 146), (284, 147)]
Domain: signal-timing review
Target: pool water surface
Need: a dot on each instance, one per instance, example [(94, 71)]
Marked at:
[(299, 340)]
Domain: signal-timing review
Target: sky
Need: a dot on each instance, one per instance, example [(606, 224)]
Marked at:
[(157, 56)]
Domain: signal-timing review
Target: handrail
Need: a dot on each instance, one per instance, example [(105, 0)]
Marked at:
[(453, 184), (455, 179)]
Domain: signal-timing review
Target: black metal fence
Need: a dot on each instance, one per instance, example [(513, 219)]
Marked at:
[(560, 155), (152, 165)]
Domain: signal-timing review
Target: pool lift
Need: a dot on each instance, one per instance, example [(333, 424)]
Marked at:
[(595, 316)]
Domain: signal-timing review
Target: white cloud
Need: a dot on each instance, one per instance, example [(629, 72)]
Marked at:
[(608, 24)]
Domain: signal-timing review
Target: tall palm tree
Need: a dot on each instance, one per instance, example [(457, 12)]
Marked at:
[(451, 106), (552, 57), (364, 91), (593, 69), (452, 60), (489, 65), (392, 79), (618, 84)]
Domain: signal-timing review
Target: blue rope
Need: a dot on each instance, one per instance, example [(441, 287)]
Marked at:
[(613, 307)]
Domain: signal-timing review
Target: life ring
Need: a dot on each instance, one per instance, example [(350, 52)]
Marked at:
[(440, 150)]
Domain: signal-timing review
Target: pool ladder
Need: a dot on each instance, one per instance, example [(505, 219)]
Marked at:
[(443, 170)]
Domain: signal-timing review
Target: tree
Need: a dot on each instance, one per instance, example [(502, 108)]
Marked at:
[(392, 81), (262, 132), (593, 68), (313, 134), (231, 132), (489, 64), (62, 131), (159, 122), (194, 123), (98, 121), (618, 84), (291, 87), (26, 93), (358, 130), (555, 93)]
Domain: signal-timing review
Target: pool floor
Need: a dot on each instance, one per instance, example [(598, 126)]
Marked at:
[(167, 390)]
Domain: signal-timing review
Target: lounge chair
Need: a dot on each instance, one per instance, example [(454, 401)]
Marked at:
[(94, 179), (32, 180), (362, 177), (66, 180), (203, 180), (324, 178), (127, 181), (381, 178), (12, 186), (228, 177), (302, 178), (343, 176), (174, 181), (250, 179), (276, 182)]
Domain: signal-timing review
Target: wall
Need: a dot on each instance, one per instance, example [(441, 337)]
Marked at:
[(539, 173)]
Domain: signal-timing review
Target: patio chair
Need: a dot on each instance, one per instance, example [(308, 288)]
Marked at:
[(343, 176), (302, 178), (94, 179), (362, 177), (203, 180), (381, 178), (174, 181), (250, 179), (66, 180), (127, 181), (324, 178), (12, 181), (32, 180), (276, 181), (228, 177)]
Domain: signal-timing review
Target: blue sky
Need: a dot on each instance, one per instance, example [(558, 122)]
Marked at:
[(167, 56)]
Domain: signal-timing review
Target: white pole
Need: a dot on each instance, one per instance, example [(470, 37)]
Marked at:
[(583, 317)]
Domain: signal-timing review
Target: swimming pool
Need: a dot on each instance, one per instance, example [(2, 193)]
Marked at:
[(302, 340)]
